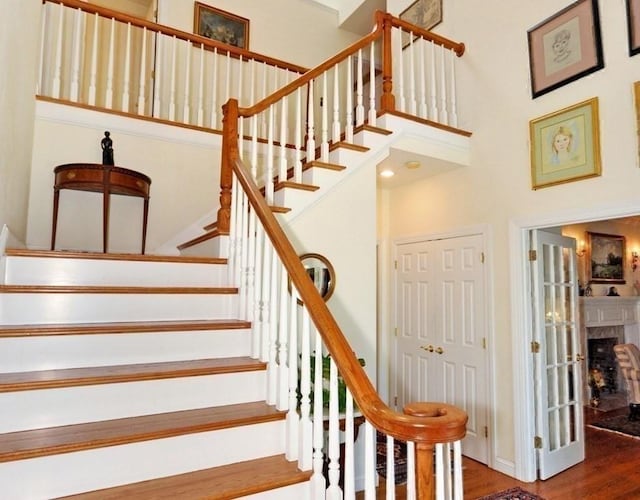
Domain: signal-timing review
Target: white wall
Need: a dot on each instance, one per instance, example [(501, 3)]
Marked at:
[(17, 86), (494, 102), (298, 32)]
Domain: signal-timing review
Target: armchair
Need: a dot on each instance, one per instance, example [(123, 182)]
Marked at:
[(628, 357)]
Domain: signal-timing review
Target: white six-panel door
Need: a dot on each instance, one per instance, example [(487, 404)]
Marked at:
[(441, 338)]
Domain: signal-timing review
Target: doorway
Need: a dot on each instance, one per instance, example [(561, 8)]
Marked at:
[(524, 417)]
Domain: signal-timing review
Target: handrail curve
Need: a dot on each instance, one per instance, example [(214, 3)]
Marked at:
[(221, 48), (445, 424)]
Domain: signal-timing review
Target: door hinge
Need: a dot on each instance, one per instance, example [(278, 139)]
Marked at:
[(533, 255), (482, 257), (486, 431), (535, 347), (484, 342), (537, 442)]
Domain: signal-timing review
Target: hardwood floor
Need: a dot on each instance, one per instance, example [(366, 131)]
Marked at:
[(609, 472)]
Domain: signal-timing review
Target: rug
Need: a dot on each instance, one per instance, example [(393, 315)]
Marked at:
[(399, 455), (620, 425), (512, 494)]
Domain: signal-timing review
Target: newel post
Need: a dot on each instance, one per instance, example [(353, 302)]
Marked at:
[(229, 155), (387, 101)]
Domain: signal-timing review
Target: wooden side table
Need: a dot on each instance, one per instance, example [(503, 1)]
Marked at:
[(105, 179)]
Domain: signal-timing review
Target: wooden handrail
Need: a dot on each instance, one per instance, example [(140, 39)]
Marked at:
[(457, 47), (428, 424), (221, 48)]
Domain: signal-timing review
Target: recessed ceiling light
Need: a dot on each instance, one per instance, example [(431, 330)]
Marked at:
[(412, 164), (387, 173)]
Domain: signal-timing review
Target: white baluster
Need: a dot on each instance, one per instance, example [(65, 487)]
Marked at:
[(283, 342), (399, 62), (265, 300), (174, 70), (372, 86), (257, 339), (264, 123), (254, 148), (349, 464), (127, 71), (443, 90), (251, 259), (268, 181), (282, 166), (359, 91), (433, 115), (411, 471), (348, 131), (391, 479), (75, 58), (57, 71), (186, 108), (311, 141), (200, 116), (324, 144), (273, 331), (158, 75), (457, 471), (94, 63), (293, 419), (333, 491), (40, 86), (232, 257), (423, 110), (454, 104), (440, 478), (335, 131), (108, 96), (306, 428), (143, 74), (227, 82), (214, 91), (240, 81), (369, 461), (243, 248), (297, 162), (318, 481), (412, 78)]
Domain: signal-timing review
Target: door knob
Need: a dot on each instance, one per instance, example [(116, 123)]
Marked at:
[(428, 348), (439, 350), (579, 357)]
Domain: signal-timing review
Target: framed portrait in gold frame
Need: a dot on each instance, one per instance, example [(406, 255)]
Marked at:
[(565, 145), (221, 26)]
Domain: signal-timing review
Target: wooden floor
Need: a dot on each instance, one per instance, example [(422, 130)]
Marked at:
[(611, 471)]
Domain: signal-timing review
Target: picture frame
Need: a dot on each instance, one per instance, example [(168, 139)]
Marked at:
[(221, 26), (425, 14), (565, 145), (633, 26), (606, 257), (565, 47)]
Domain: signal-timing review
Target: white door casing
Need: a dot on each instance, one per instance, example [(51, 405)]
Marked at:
[(556, 351), (441, 351)]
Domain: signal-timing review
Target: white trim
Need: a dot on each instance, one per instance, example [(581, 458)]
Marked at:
[(523, 411), (486, 232)]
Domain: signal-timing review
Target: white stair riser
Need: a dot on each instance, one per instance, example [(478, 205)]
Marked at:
[(292, 198), (73, 405), (344, 156), (54, 476), (324, 177), (298, 491), (32, 308), (368, 138), (60, 271), (24, 354)]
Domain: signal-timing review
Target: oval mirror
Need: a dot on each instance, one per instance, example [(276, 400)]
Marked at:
[(321, 273)]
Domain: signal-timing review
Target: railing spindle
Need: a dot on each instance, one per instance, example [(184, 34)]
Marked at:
[(57, 71), (443, 89), (214, 90), (186, 108), (324, 144), (297, 163), (349, 440), (454, 105), (372, 85), (423, 110), (433, 88), (110, 66), (311, 141), (305, 453), (333, 491), (359, 92), (283, 342), (318, 481), (348, 132), (143, 74), (157, 77), (127, 71), (335, 130), (94, 63), (75, 59), (293, 419), (200, 115), (174, 71)]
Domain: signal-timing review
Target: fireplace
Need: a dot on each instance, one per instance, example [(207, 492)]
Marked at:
[(602, 357)]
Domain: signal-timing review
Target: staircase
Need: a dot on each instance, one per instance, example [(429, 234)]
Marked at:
[(118, 370)]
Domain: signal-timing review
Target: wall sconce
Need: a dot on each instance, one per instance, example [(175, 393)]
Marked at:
[(634, 261), (581, 249)]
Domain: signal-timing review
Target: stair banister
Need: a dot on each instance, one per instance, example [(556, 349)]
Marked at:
[(426, 424)]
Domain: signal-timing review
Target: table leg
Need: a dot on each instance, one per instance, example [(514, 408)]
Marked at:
[(145, 215), (54, 223)]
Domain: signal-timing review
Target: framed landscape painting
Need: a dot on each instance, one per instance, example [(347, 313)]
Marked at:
[(606, 254), (221, 26), (565, 47), (565, 145), (633, 26)]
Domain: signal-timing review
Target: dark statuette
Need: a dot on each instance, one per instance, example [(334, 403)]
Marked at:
[(107, 149)]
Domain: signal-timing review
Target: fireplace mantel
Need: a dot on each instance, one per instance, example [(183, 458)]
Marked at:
[(610, 311)]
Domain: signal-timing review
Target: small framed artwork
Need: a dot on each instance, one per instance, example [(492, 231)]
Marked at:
[(425, 14), (565, 47), (605, 254), (221, 26), (565, 145), (633, 26)]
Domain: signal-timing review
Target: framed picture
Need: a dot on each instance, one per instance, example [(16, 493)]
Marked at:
[(425, 14), (221, 26), (565, 47), (633, 26), (565, 145), (606, 255)]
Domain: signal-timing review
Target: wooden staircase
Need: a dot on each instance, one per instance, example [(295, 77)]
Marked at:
[(128, 376)]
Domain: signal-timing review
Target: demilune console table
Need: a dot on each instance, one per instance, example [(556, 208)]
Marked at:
[(105, 179)]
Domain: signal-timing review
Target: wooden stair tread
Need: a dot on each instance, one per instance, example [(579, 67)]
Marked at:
[(279, 210), (36, 330), (64, 254), (295, 185), (348, 145), (324, 165), (219, 483), (372, 128), (103, 289), (69, 438), (73, 377)]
